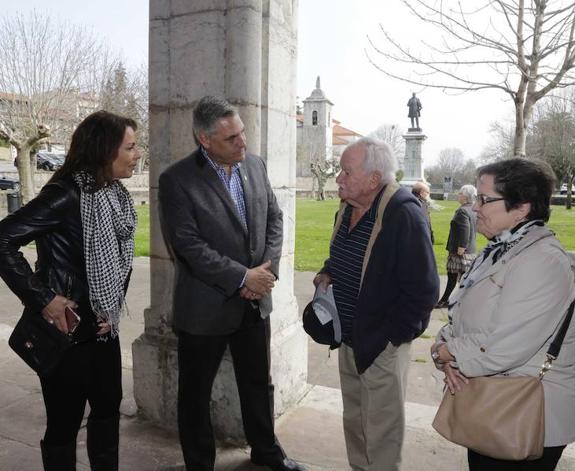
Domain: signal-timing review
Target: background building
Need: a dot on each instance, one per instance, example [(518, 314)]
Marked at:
[(320, 138)]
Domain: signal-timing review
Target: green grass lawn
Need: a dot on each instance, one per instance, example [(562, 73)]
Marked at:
[(314, 221), (142, 238)]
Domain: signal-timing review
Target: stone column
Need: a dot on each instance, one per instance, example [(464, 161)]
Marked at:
[(244, 50), (413, 161)]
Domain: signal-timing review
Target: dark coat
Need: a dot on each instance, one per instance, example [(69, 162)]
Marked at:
[(425, 207), (53, 221), (462, 230), (212, 250), (400, 284)]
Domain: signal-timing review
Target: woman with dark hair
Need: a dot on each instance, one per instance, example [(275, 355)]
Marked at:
[(83, 224), (511, 303), (460, 242)]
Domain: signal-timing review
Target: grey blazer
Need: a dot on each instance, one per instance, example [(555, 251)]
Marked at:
[(211, 248), (462, 231)]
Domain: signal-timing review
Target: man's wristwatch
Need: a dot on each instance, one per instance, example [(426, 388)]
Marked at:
[(435, 355)]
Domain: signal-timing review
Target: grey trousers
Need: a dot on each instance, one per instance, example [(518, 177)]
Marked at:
[(373, 408)]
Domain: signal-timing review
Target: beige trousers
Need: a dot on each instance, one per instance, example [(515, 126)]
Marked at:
[(373, 408)]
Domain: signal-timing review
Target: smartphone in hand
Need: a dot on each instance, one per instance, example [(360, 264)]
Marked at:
[(72, 319)]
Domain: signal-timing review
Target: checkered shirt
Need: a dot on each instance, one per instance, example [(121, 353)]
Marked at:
[(233, 184)]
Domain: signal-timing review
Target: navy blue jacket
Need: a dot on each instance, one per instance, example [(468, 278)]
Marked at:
[(400, 284)]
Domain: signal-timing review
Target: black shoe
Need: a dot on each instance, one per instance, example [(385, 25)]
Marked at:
[(285, 465), (441, 305)]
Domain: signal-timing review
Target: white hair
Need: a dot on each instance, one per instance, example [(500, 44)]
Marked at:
[(470, 193), (379, 157)]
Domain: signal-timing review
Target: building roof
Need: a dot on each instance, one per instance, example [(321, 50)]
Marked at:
[(6, 96), (338, 141), (341, 131), (317, 94)]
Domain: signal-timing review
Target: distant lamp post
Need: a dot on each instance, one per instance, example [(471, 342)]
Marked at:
[(447, 186)]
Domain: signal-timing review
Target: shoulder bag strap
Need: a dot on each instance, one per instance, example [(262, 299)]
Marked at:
[(555, 346)]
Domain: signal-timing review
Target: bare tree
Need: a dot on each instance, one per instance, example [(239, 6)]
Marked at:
[(501, 145), (526, 49), (47, 70), (392, 135), (451, 160), (126, 93), (451, 163), (321, 172), (140, 93), (552, 138)]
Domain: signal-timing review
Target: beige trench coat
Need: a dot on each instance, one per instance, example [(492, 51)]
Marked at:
[(505, 321)]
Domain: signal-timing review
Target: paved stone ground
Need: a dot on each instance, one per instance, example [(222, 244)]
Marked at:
[(311, 432)]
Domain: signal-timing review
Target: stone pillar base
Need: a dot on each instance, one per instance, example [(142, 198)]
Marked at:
[(155, 362), (413, 161)]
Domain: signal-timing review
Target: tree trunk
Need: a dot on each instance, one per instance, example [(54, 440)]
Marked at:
[(313, 180), (25, 174), (140, 165), (520, 131), (568, 200), (320, 188)]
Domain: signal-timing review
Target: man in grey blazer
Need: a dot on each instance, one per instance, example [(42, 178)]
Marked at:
[(223, 224)]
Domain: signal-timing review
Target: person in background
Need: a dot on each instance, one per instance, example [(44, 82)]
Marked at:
[(461, 241), (511, 303), (380, 235), (83, 224), (422, 192)]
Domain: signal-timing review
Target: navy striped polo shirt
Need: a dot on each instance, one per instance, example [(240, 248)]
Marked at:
[(346, 263)]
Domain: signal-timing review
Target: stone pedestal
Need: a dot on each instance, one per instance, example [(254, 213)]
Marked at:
[(413, 161), (246, 51)]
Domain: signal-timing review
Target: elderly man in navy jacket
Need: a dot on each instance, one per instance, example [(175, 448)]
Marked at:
[(385, 284)]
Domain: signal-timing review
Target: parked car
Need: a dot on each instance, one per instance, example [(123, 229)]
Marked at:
[(46, 161), (49, 161), (563, 190), (9, 184)]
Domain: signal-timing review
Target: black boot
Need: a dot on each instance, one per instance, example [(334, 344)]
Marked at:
[(102, 443), (59, 458)]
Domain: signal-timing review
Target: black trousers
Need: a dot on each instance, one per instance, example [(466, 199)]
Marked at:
[(90, 372), (199, 357), (547, 462), (451, 282)]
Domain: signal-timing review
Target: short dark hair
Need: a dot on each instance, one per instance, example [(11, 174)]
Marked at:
[(523, 181), (207, 112), (95, 144)]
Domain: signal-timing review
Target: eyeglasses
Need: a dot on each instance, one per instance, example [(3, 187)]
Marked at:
[(484, 199)]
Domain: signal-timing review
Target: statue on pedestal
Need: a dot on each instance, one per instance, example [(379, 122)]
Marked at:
[(414, 106)]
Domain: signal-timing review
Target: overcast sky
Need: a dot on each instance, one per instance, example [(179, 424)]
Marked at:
[(332, 38)]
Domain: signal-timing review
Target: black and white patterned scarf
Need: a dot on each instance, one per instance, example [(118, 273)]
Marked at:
[(108, 222)]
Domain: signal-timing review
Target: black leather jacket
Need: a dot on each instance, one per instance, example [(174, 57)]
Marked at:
[(53, 221)]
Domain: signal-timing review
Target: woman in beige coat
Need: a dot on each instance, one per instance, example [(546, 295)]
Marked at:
[(512, 301)]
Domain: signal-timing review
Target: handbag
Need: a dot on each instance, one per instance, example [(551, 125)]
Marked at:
[(40, 344), (497, 416)]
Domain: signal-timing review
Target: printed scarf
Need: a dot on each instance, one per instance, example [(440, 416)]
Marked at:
[(492, 252), (108, 222)]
